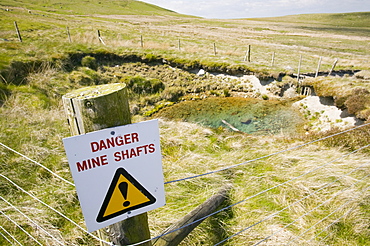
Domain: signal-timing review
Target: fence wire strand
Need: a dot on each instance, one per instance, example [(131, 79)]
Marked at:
[(7, 239), (10, 235), (327, 227), (20, 227), (343, 205), (248, 198), (37, 163), (247, 228), (266, 156), (33, 222), (338, 193), (191, 177), (56, 211), (203, 174)]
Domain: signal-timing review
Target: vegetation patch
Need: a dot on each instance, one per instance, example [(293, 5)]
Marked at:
[(163, 81)]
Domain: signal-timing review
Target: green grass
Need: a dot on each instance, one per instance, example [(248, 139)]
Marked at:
[(356, 19), (91, 7), (45, 66)]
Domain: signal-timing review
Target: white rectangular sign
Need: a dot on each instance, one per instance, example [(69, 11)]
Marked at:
[(117, 172)]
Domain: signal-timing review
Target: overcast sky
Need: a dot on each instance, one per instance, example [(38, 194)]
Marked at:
[(225, 9)]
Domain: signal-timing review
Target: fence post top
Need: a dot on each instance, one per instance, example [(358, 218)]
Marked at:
[(95, 91)]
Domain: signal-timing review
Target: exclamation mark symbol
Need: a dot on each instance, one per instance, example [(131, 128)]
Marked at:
[(123, 187)]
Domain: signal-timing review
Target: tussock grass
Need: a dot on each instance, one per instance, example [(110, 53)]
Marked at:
[(37, 72)]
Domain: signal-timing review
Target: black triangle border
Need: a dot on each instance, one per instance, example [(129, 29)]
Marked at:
[(122, 171)]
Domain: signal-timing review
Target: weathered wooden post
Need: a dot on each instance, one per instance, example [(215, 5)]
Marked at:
[(214, 49), (100, 38), (69, 35), (273, 59), (179, 45), (97, 107), (248, 54), (332, 68), (299, 67), (198, 215), (141, 41), (17, 30), (318, 67)]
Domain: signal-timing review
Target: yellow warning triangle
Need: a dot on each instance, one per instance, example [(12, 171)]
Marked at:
[(124, 194)]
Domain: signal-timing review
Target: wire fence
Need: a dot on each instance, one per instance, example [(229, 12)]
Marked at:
[(45, 236), (234, 47)]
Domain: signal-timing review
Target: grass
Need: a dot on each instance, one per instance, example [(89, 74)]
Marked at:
[(45, 66)]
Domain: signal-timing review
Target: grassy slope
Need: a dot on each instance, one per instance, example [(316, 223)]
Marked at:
[(356, 19), (32, 121), (110, 7)]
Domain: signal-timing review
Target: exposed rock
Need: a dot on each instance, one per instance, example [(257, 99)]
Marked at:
[(290, 93)]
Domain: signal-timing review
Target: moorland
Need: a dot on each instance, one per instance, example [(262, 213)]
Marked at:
[(176, 68)]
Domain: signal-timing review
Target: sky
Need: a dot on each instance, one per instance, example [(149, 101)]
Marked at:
[(231, 9)]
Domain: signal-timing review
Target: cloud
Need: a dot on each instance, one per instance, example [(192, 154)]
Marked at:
[(260, 8)]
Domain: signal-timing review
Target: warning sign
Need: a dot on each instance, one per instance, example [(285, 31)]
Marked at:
[(124, 194), (117, 172)]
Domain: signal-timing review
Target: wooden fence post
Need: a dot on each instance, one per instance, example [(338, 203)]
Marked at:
[(100, 38), (141, 41), (248, 54), (69, 35), (214, 49), (332, 68), (17, 30), (97, 107), (299, 67), (273, 59), (174, 238), (318, 67), (179, 45)]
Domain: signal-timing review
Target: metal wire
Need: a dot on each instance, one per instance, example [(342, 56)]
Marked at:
[(343, 205), (56, 211), (266, 156), (322, 204), (20, 227), (33, 222), (248, 198), (10, 235), (183, 179), (303, 199), (37, 163), (331, 225), (319, 167), (7, 239)]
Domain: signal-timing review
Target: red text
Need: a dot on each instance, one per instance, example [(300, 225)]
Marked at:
[(114, 141), (134, 152), (92, 163)]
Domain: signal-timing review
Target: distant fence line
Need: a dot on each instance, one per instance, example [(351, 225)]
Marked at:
[(213, 47)]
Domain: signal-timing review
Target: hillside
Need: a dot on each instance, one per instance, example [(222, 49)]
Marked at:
[(295, 183), (92, 7)]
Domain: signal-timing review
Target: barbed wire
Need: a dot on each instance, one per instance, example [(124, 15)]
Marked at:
[(266, 156), (33, 222)]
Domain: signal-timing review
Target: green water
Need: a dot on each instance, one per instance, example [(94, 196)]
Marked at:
[(249, 115)]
